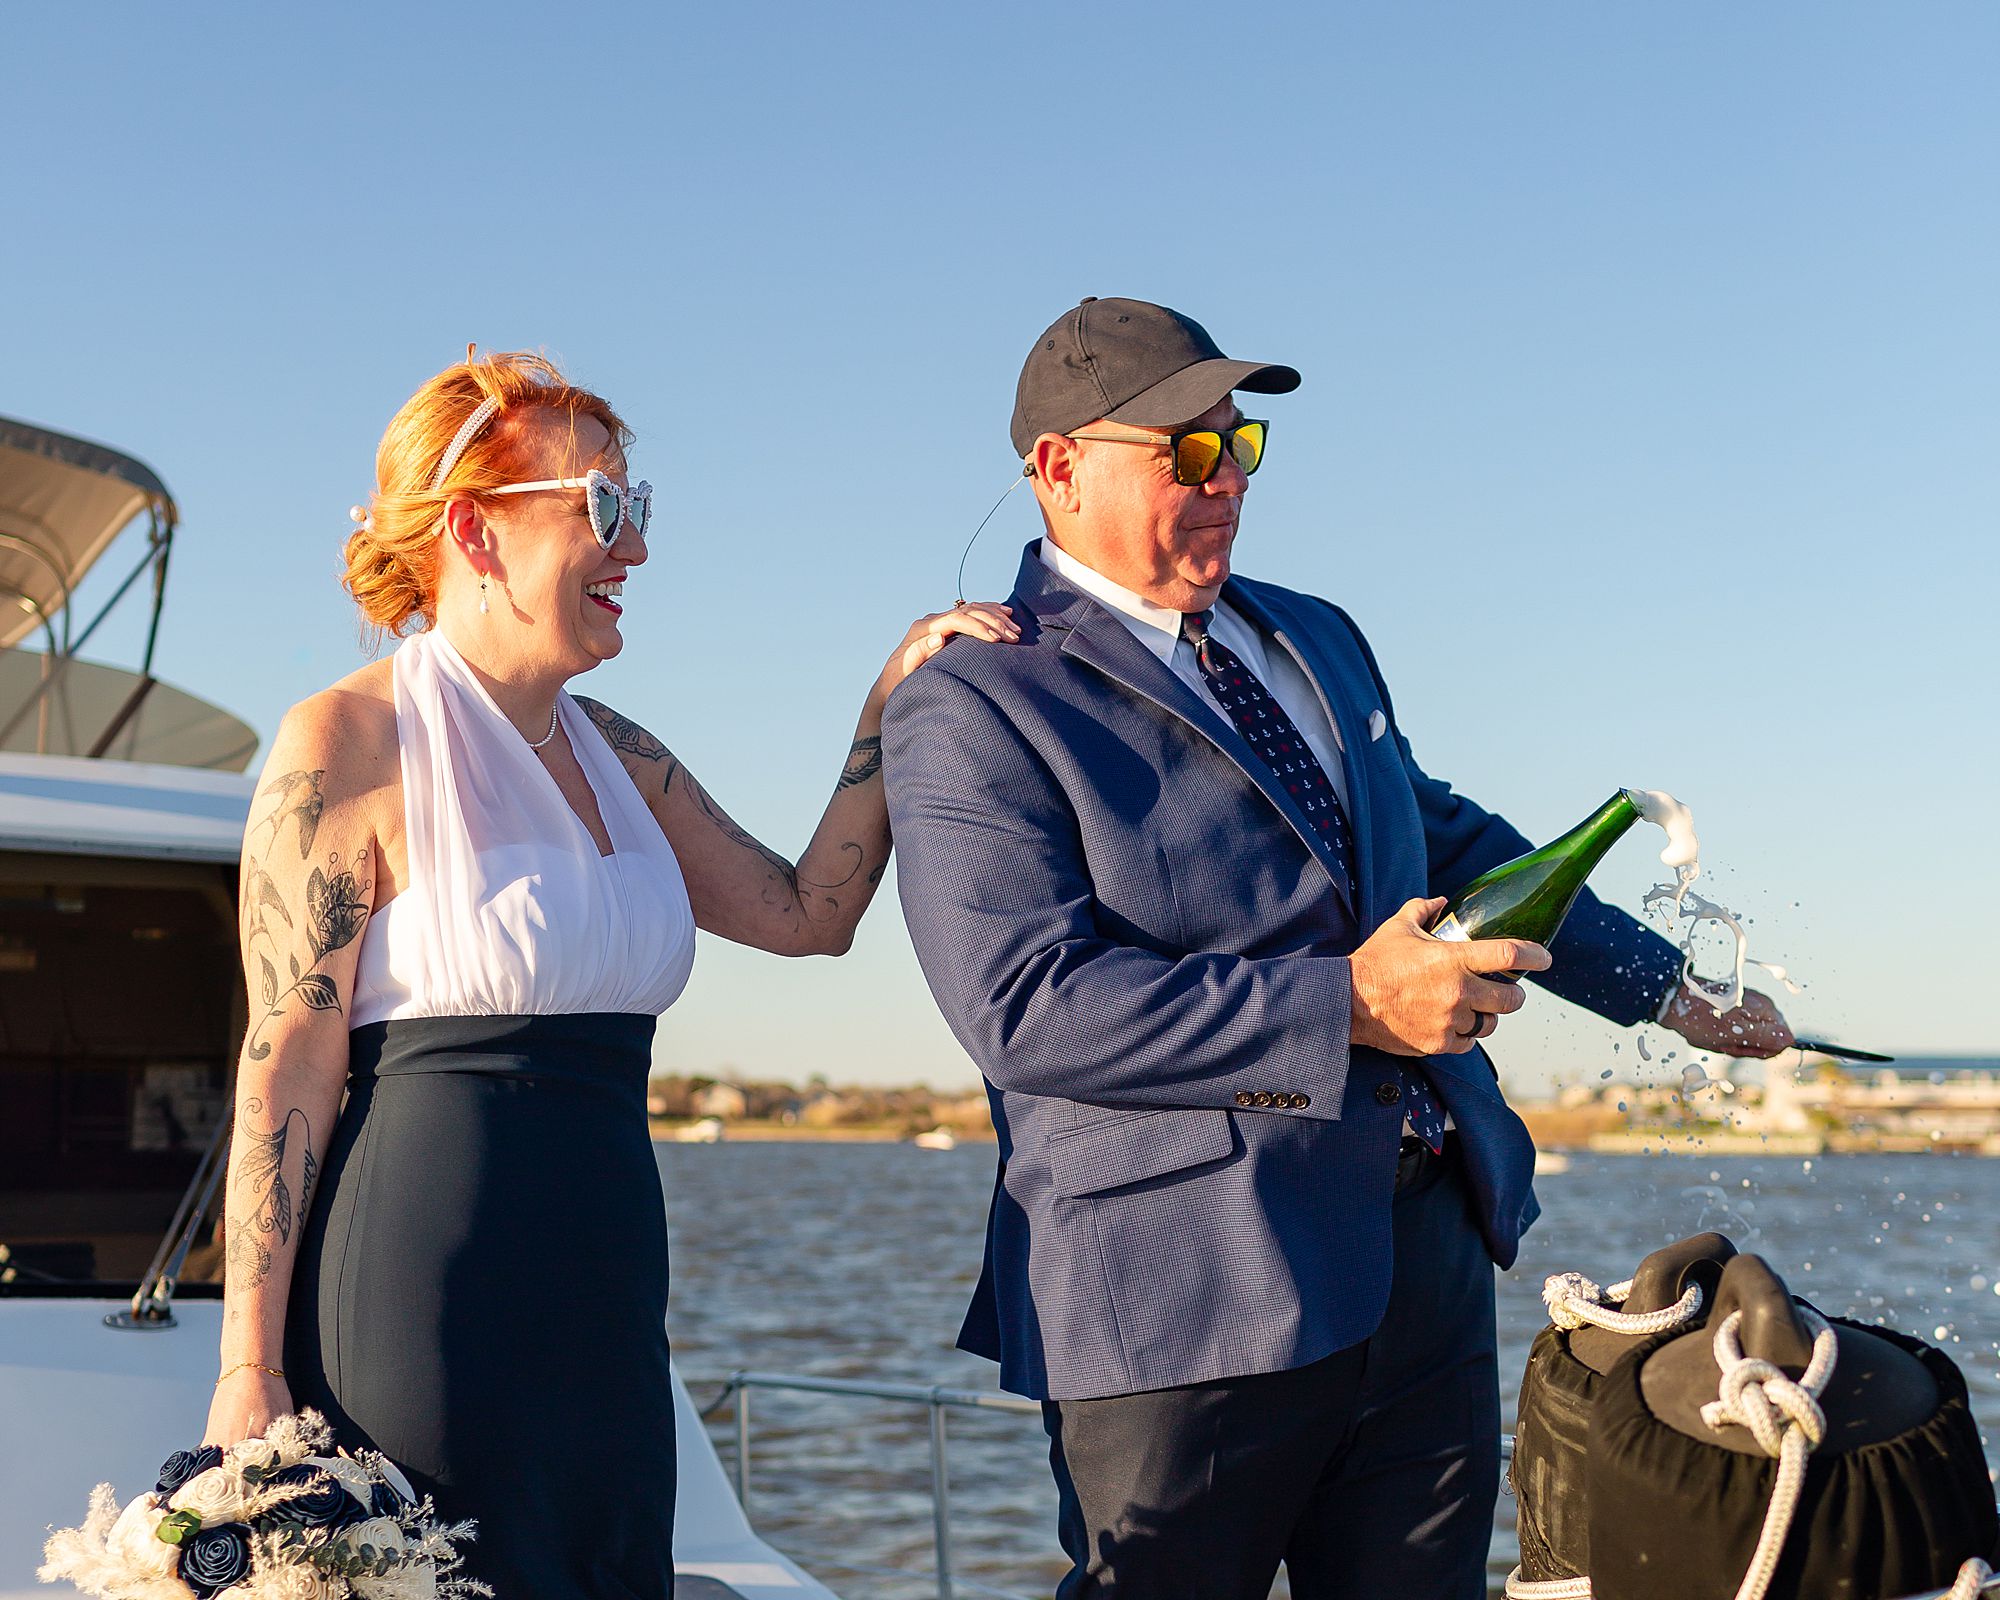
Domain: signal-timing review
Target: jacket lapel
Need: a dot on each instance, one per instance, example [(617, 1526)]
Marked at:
[(1092, 635)]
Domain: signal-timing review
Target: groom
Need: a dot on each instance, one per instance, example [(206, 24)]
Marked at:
[(1165, 865)]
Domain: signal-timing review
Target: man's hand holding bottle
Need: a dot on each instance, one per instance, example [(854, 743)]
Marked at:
[(1415, 995)]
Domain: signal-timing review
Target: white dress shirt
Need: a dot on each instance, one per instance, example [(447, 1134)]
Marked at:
[(1159, 630)]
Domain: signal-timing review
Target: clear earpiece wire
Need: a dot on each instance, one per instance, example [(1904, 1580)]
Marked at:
[(1025, 474)]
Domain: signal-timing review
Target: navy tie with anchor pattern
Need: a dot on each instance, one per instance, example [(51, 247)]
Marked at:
[(1277, 740)]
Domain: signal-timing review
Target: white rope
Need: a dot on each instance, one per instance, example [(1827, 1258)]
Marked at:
[(1971, 1581), (1518, 1588), (1573, 1300), (1783, 1417)]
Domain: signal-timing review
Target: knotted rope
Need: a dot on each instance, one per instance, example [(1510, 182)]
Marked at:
[(1784, 1418), (1573, 1300)]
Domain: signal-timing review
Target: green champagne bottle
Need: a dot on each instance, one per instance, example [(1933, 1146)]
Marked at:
[(1528, 897)]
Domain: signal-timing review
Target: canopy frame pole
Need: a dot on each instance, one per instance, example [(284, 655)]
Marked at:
[(159, 544)]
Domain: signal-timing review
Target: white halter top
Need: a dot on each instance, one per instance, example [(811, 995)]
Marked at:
[(508, 909)]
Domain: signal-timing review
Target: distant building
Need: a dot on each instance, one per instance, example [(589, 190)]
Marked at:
[(1956, 1104), (723, 1100)]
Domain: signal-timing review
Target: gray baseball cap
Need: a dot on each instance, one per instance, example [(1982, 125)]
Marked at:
[(1128, 361)]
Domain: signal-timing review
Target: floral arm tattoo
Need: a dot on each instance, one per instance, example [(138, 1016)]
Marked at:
[(287, 944), (265, 1215)]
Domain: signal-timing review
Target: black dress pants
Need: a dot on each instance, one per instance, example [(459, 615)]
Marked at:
[(1371, 1474)]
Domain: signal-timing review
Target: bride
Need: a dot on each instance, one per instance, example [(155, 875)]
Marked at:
[(466, 897)]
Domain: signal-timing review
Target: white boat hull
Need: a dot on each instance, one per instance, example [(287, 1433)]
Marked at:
[(82, 1403)]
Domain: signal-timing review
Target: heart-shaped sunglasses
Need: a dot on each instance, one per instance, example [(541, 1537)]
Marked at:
[(606, 504)]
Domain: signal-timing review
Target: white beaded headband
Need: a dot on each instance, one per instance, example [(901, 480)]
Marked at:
[(468, 431), (465, 435)]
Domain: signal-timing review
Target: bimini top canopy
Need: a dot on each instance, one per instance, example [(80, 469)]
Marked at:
[(62, 501), (90, 709)]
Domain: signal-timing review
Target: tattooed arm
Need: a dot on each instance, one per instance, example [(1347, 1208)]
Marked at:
[(310, 870), (746, 891)]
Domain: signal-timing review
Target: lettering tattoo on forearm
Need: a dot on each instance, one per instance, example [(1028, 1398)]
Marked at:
[(263, 1215), (864, 761)]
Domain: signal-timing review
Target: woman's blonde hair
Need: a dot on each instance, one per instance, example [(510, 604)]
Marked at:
[(394, 558)]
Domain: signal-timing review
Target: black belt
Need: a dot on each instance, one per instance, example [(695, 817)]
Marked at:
[(1414, 1158)]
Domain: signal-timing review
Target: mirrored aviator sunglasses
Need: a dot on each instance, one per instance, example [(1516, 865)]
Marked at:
[(1198, 451), (604, 502)]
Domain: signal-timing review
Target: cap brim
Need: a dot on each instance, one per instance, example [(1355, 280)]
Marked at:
[(1192, 390)]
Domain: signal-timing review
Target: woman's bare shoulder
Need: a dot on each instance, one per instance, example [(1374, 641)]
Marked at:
[(346, 730)]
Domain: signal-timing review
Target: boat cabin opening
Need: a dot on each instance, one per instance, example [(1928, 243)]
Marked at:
[(120, 1010)]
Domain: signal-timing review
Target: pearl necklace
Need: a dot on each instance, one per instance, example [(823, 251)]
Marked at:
[(536, 744)]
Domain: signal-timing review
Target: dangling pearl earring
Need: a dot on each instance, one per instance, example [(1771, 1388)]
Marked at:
[(482, 594)]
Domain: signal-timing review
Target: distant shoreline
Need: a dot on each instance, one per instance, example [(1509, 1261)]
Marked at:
[(667, 1130)]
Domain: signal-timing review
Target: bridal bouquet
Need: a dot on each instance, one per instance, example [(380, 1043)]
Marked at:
[(283, 1517)]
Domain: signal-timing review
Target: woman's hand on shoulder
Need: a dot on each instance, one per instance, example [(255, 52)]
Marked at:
[(976, 619)]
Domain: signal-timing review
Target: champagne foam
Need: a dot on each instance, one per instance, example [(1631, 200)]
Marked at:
[(1683, 856)]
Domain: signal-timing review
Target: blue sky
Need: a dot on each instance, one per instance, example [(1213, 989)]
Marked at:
[(1649, 427)]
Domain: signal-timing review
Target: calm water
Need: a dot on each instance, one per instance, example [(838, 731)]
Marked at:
[(856, 1261)]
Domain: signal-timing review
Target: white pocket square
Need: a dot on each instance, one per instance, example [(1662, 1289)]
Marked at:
[(1377, 726)]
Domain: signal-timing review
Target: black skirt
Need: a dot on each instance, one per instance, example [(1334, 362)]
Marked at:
[(481, 1293)]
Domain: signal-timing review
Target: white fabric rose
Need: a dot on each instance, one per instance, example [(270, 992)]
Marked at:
[(135, 1540), (303, 1581), (350, 1474), (417, 1580), (260, 1454), (379, 1533), (217, 1495)]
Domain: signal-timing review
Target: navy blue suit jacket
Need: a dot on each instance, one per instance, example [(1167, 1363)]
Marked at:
[(1132, 930)]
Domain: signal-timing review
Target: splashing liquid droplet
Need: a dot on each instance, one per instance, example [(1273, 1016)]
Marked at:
[(1678, 900)]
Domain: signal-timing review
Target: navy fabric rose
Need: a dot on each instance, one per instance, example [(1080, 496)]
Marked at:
[(385, 1501), (325, 1504), (215, 1558), (185, 1464)]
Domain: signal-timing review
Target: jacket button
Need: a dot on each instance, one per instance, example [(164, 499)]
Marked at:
[(1301, 1101), (1245, 1098), (1388, 1093), (1261, 1098)]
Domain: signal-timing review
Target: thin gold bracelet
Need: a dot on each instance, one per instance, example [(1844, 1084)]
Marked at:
[(276, 1372)]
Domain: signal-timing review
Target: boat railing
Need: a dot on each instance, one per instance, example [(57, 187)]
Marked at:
[(152, 1306), (939, 1399)]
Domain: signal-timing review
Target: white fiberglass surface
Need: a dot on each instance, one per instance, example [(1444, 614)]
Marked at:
[(81, 1403)]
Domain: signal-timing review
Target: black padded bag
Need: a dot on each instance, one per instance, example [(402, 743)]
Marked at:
[(1672, 1518), (1551, 1444), (1552, 1426)]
